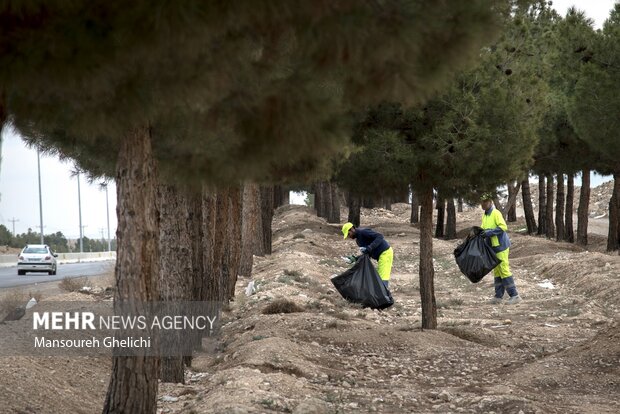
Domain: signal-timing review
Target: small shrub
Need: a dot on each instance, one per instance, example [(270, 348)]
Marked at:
[(299, 236), (295, 274), (73, 284), (315, 304), (36, 295), (282, 306), (12, 300), (332, 325), (341, 315)]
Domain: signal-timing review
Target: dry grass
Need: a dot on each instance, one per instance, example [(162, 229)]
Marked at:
[(282, 306), (16, 298), (73, 284)]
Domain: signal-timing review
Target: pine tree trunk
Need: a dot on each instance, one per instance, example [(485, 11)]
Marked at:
[(528, 210), (613, 236), (569, 233), (542, 205), (451, 220), (334, 208), (387, 203), (286, 197), (583, 209), (368, 202), (251, 228), (511, 206), (235, 206), (266, 216), (415, 207), (353, 202), (559, 208), (216, 281), (441, 210), (175, 273), (133, 382), (196, 237), (460, 205), (281, 196), (323, 199), (549, 226), (318, 199), (427, 272), (208, 283)]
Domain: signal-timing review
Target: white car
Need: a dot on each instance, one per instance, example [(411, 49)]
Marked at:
[(37, 258)]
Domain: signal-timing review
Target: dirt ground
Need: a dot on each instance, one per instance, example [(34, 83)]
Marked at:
[(556, 352)]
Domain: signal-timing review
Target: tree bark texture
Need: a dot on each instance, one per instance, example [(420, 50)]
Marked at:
[(251, 228), (354, 204), (327, 201), (210, 283), (559, 208), (569, 232), (196, 240), (415, 207), (175, 273), (266, 216), (235, 202), (542, 205), (281, 196), (387, 203), (427, 272), (322, 196), (511, 204), (369, 202), (549, 226), (528, 210), (459, 208), (613, 236), (334, 208), (133, 382), (441, 211), (451, 220), (583, 209)]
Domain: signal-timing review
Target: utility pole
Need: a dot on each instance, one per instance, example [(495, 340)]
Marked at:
[(80, 213), (40, 199), (107, 210), (13, 221), (82, 237)]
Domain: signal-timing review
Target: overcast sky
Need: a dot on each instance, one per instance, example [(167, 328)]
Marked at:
[(19, 194)]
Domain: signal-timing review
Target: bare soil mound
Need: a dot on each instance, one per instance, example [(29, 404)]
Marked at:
[(558, 351)]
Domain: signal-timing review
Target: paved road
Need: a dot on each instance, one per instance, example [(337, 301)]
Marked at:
[(9, 277)]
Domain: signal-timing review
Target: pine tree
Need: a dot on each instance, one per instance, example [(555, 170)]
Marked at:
[(594, 110), (192, 92)]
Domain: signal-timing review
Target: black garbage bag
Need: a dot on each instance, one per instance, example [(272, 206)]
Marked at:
[(362, 284), (475, 257)]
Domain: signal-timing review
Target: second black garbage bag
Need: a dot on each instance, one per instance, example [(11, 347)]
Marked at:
[(362, 284), (475, 257)]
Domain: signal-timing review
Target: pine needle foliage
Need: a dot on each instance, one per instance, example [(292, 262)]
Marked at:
[(229, 90)]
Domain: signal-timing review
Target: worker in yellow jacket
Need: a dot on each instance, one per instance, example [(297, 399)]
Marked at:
[(495, 231), (373, 244)]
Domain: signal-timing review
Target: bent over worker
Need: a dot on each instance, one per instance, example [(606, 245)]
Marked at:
[(495, 231), (373, 244)]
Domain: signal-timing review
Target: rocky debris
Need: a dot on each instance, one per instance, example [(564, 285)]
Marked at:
[(557, 352)]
